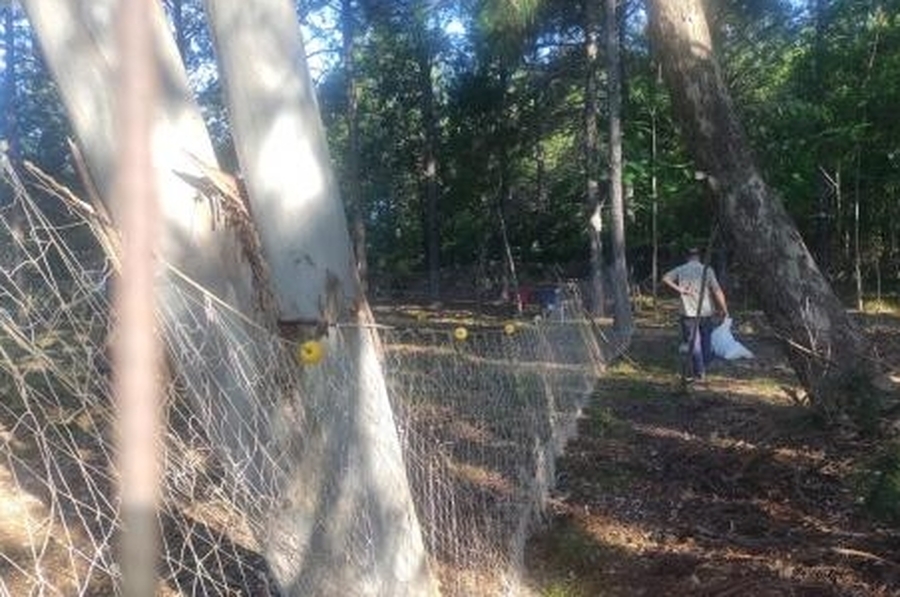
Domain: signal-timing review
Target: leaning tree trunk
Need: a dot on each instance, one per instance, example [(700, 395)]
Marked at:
[(195, 247), (347, 524), (202, 261), (828, 351)]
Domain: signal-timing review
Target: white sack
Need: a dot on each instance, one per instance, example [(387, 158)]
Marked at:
[(724, 345)]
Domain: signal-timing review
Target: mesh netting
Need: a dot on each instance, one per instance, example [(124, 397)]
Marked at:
[(260, 479)]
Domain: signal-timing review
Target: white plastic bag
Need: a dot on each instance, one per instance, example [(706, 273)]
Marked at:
[(725, 346)]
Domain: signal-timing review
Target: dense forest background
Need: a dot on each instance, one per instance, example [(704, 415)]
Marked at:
[(461, 133)]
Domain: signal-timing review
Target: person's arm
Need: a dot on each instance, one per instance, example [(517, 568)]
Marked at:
[(717, 293), (720, 300), (670, 280)]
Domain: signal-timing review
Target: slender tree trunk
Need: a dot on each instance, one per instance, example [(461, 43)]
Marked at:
[(623, 319), (540, 177), (654, 188), (510, 263), (353, 182), (828, 351), (840, 225), (429, 160), (510, 286), (857, 249), (593, 203)]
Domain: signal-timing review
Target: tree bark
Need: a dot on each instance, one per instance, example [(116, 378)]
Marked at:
[(429, 181), (347, 491), (831, 356), (353, 182), (593, 203), (654, 187), (201, 262), (623, 318)]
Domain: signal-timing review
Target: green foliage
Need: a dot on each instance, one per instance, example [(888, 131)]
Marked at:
[(508, 79)]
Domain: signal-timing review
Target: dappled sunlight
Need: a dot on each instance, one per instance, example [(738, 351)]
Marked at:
[(726, 486), (304, 168)]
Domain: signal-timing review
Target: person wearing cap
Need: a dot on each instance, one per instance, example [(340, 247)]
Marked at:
[(696, 307)]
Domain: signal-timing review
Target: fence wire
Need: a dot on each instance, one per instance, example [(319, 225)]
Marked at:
[(481, 416)]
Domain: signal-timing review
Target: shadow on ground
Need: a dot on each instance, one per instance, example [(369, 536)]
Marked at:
[(724, 489)]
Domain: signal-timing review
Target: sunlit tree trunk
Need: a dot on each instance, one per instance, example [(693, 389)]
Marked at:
[(352, 159), (593, 203), (77, 39), (623, 318), (192, 241), (831, 356), (365, 504)]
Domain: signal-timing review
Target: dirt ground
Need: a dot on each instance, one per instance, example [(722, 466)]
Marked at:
[(726, 488)]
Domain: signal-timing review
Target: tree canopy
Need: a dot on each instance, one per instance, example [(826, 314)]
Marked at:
[(815, 83), (496, 90)]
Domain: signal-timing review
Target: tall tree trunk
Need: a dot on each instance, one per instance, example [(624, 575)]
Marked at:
[(654, 185), (623, 319), (857, 249), (353, 182), (347, 491), (195, 244), (430, 197), (192, 239), (593, 203), (828, 351), (825, 187)]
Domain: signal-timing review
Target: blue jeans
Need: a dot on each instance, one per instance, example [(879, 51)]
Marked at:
[(701, 347)]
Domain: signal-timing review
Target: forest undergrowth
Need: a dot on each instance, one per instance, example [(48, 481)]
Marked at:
[(726, 488)]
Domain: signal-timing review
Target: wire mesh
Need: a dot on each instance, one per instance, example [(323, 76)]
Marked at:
[(262, 482)]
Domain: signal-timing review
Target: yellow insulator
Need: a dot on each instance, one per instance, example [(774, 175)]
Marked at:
[(461, 333), (310, 352), (509, 329)]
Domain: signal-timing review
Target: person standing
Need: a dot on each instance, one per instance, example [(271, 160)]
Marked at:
[(697, 286)]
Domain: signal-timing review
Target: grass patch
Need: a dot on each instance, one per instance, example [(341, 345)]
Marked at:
[(571, 561), (604, 423), (562, 588), (882, 306)]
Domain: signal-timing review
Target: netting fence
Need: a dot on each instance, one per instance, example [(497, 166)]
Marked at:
[(481, 411)]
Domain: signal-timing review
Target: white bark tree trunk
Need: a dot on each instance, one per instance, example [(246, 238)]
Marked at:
[(196, 249), (295, 201), (77, 39)]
